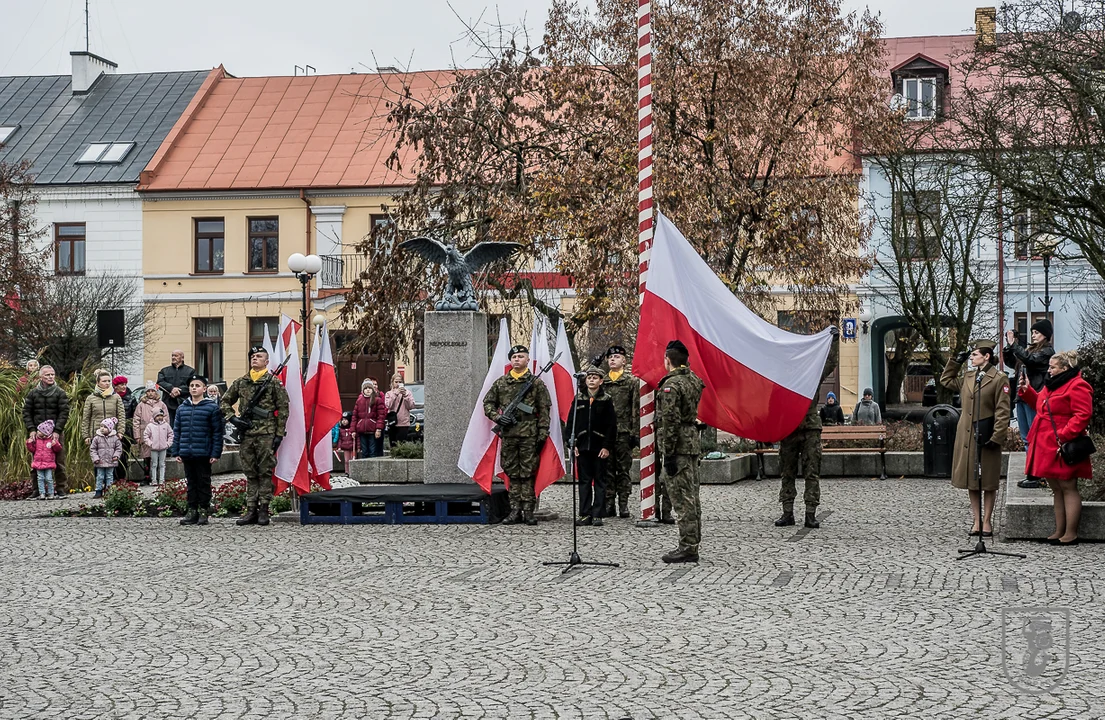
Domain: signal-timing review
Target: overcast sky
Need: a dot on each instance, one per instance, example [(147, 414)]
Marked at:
[(271, 37)]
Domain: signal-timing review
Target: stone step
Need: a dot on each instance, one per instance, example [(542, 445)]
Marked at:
[(1030, 514)]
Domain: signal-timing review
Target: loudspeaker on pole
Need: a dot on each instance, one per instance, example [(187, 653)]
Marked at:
[(110, 329)]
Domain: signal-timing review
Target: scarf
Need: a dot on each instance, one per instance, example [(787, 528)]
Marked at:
[(256, 375), (1054, 382), (518, 374), (103, 393), (616, 375)]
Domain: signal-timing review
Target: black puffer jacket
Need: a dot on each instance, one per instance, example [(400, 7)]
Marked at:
[(1034, 362), (596, 424), (46, 403)]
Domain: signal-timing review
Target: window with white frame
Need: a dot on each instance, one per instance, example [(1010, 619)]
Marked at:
[(107, 153), (920, 95), (6, 131)]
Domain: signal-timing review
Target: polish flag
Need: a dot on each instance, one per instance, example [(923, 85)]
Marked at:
[(564, 373), (759, 379), (288, 329), (267, 344), (551, 467), (479, 453), (323, 405), (291, 458)]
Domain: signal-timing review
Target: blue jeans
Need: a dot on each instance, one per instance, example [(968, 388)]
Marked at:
[(45, 481), (104, 478), (1025, 416), (371, 446)]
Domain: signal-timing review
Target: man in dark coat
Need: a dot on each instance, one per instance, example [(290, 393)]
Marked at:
[(595, 428), (523, 436), (173, 381), (47, 401), (805, 441)]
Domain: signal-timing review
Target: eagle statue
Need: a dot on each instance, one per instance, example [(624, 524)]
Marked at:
[(459, 293)]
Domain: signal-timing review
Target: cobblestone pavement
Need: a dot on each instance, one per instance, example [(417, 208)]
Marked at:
[(869, 617)]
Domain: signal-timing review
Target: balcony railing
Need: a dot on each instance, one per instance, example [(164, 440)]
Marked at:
[(339, 271)]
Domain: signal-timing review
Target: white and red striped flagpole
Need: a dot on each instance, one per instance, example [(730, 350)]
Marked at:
[(644, 240)]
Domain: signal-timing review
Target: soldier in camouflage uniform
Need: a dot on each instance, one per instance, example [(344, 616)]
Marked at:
[(677, 398), (522, 438), (805, 441), (623, 388), (258, 445)]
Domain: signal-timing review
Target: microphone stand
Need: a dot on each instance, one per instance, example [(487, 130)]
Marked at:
[(574, 559), (980, 547)]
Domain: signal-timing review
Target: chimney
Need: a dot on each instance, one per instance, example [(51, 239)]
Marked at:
[(87, 69), (986, 32)]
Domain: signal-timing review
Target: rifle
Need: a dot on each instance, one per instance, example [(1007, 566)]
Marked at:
[(244, 421), (506, 417)]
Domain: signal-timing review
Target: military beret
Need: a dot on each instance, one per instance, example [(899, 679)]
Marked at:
[(615, 350), (518, 349), (595, 371), (197, 376), (677, 345), (257, 349)]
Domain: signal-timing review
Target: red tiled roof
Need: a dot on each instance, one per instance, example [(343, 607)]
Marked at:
[(323, 131)]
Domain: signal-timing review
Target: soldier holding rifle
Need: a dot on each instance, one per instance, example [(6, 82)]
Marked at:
[(519, 404), (263, 405)]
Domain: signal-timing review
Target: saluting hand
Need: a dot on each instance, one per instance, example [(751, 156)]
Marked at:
[(1011, 337)]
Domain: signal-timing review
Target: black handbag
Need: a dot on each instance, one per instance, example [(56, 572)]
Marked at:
[(393, 416), (1075, 451)]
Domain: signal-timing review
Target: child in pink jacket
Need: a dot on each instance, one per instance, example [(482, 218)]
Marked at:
[(44, 451), (158, 437), (106, 449)]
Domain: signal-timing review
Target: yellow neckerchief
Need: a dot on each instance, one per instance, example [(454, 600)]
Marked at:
[(616, 375), (518, 374), (256, 375)]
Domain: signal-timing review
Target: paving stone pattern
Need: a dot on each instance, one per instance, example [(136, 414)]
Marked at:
[(870, 616)]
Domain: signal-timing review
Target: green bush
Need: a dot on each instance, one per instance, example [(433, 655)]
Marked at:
[(1091, 361), (122, 498), (407, 451), (281, 503), (229, 498), (171, 496)]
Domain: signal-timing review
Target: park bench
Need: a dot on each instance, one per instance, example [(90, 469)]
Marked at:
[(874, 434)]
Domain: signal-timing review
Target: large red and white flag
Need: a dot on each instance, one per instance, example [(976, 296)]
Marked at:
[(267, 344), (479, 453), (551, 467), (322, 403), (288, 330), (564, 373), (291, 457), (759, 379)]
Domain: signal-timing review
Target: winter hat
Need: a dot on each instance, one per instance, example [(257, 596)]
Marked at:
[(46, 427), (347, 416), (831, 395), (109, 423), (159, 413), (868, 391), (1043, 327), (119, 380)]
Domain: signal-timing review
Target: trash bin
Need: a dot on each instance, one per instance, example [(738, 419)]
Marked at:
[(939, 430)]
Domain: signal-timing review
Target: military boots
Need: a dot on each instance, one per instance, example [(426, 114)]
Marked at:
[(527, 514), (250, 518), (623, 507), (681, 555), (786, 519), (811, 519), (515, 515), (262, 514)]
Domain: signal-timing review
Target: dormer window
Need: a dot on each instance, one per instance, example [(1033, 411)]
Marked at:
[(920, 97), (108, 153), (920, 83), (6, 131)]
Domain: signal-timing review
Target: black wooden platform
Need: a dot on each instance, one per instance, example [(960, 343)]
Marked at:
[(439, 503)]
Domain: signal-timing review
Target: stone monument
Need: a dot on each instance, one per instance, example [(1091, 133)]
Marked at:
[(455, 355), (455, 364)]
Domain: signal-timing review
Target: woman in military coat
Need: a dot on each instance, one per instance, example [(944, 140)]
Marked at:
[(981, 436)]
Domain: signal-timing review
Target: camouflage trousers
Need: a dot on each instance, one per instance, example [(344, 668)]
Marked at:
[(520, 459), (682, 489), (805, 443), (258, 463), (619, 468)]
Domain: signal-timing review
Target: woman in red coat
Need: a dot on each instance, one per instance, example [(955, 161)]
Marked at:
[(1068, 400), (370, 420)]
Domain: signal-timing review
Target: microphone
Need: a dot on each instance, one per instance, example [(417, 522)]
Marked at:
[(979, 376)]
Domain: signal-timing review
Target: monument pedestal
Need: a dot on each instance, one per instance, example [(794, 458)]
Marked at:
[(455, 365)]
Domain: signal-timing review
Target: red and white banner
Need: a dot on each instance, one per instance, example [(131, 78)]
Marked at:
[(564, 373), (479, 453), (288, 330), (759, 379), (551, 467), (323, 407), (291, 458)]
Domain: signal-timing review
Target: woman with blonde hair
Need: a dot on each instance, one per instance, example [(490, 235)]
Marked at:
[(1058, 446), (101, 404), (399, 402)]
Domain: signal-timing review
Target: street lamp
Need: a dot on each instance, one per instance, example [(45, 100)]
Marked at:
[(304, 267), (865, 317)]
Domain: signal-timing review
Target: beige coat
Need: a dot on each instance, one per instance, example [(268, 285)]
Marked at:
[(994, 402)]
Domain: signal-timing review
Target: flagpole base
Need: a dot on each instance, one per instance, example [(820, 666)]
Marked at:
[(648, 523)]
